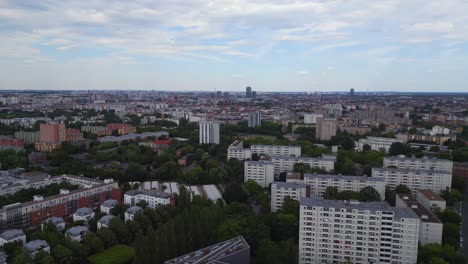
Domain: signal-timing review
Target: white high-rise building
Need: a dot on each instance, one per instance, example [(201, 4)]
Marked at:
[(415, 179), (279, 191), (430, 227), (209, 132), (236, 150), (338, 231), (311, 118), (320, 182), (262, 172), (286, 164), (418, 164), (255, 119), (276, 150), (326, 128)]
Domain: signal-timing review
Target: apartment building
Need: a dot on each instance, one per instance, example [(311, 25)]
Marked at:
[(236, 150), (262, 172), (276, 150), (419, 163), (320, 182), (31, 214), (209, 133), (279, 191), (430, 199), (286, 163), (326, 128), (153, 198), (255, 119), (52, 133), (376, 143), (415, 179), (430, 228), (27, 137), (338, 231)]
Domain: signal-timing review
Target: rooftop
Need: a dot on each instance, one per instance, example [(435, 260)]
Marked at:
[(422, 212), (109, 203), (106, 219), (353, 204), (430, 195), (149, 192), (213, 254), (35, 245), (294, 185), (77, 230), (342, 177), (83, 211), (12, 234), (411, 170), (416, 159), (134, 209)]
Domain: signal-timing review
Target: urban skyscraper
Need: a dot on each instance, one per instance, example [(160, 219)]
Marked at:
[(248, 92)]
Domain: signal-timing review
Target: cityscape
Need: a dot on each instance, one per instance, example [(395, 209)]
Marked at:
[(234, 132)]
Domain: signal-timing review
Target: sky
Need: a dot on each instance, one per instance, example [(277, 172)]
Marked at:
[(181, 45)]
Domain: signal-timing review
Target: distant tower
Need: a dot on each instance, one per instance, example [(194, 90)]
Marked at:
[(254, 94), (248, 92), (351, 92)]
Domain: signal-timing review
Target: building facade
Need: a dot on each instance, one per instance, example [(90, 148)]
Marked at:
[(320, 182), (280, 190), (262, 172), (376, 143), (209, 133), (418, 163), (415, 179), (339, 231), (152, 198), (276, 150), (326, 128), (286, 164), (255, 119), (430, 228)]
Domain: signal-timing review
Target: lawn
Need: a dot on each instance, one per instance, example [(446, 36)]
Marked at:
[(118, 254)]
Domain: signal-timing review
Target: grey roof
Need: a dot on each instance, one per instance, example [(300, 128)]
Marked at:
[(83, 211), (77, 230), (327, 158), (216, 253), (106, 219), (412, 170), (149, 192), (36, 245), (416, 159), (293, 185), (134, 209), (55, 220), (353, 204), (260, 162), (12, 234), (342, 177), (281, 146), (109, 203)]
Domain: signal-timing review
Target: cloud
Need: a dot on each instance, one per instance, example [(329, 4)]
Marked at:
[(302, 72)]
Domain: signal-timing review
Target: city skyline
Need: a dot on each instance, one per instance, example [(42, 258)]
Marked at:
[(272, 46)]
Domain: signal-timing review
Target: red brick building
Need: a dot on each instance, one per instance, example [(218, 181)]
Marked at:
[(122, 129), (460, 169), (11, 143)]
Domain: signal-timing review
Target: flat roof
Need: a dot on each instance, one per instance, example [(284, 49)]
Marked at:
[(412, 170), (416, 159), (354, 204), (422, 212), (214, 253), (342, 177), (289, 184), (430, 195)]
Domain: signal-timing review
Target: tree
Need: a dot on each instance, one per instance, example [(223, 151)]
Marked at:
[(330, 193), (366, 147), (235, 193), (284, 227), (369, 194), (397, 148), (290, 206), (107, 237), (402, 189), (22, 257), (43, 257), (120, 230), (93, 243), (63, 255)]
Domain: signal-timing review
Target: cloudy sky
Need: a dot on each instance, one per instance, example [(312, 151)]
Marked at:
[(407, 45)]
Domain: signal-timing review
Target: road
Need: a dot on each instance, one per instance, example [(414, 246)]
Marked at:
[(464, 225)]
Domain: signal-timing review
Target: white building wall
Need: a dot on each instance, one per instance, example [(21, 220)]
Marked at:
[(261, 172)]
